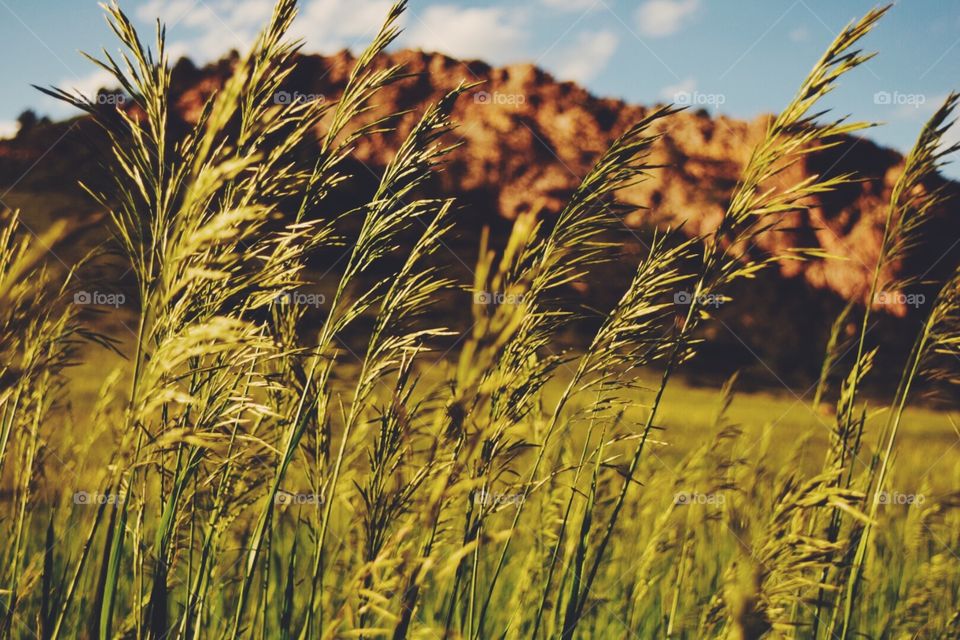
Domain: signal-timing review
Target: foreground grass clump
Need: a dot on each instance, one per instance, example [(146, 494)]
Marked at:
[(260, 483)]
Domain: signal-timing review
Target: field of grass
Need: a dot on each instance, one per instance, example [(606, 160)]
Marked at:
[(224, 465), (929, 437)]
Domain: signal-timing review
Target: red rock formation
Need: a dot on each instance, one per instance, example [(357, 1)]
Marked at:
[(528, 140)]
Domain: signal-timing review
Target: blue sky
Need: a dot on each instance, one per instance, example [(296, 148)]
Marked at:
[(740, 58)]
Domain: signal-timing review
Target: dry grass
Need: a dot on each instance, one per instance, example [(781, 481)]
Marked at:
[(258, 483)]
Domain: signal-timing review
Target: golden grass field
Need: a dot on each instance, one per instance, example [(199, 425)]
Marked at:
[(198, 459)]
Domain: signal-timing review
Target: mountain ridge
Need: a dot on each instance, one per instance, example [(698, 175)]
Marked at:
[(527, 140)]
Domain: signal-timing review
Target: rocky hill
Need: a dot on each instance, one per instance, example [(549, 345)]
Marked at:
[(527, 141)]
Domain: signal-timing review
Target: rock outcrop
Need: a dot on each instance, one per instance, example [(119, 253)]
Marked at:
[(528, 139)]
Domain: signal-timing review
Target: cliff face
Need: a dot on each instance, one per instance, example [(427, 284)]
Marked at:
[(528, 139)]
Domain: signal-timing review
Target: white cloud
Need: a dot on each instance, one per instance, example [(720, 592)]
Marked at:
[(572, 5), (207, 30), (659, 18), (8, 128), (800, 34), (589, 54), (671, 92), (495, 34), (231, 15), (170, 12), (89, 84), (327, 25), (245, 12), (951, 137), (910, 106)]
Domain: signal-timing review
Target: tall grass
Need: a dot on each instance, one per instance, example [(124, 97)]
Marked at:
[(262, 480)]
